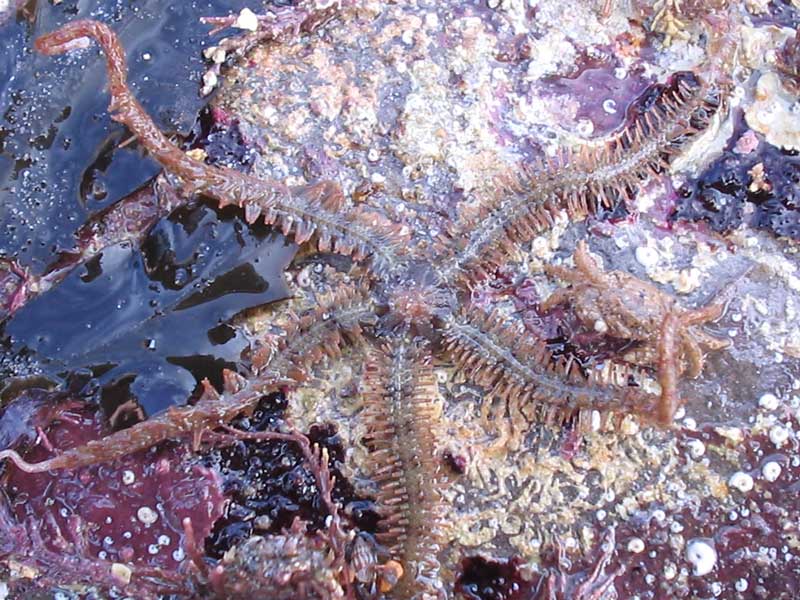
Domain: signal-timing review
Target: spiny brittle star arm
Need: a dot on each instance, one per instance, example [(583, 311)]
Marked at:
[(301, 211), (311, 338), (519, 368), (400, 417), (523, 204)]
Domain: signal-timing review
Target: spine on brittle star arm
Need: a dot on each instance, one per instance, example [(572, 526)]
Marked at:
[(519, 369), (319, 210), (300, 211), (581, 181), (399, 388)]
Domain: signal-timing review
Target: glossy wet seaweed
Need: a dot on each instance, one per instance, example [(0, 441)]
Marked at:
[(152, 322), (60, 156), (63, 161)]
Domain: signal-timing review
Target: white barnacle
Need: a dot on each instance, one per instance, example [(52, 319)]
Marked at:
[(778, 435), (147, 515), (696, 448), (741, 481), (768, 401), (635, 545), (771, 470), (701, 553), (670, 571)]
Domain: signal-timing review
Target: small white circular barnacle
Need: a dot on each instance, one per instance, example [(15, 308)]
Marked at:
[(741, 481), (771, 470), (778, 435), (696, 448), (635, 545), (584, 127), (768, 401), (147, 515), (701, 554)]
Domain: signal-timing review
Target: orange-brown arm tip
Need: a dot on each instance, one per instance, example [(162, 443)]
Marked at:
[(72, 36), (704, 314), (666, 412)]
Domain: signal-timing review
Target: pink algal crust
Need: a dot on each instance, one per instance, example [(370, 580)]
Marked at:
[(129, 512)]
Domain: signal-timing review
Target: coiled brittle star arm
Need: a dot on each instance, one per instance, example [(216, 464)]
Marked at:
[(126, 109)]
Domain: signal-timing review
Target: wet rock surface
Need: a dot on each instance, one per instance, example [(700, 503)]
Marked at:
[(416, 109)]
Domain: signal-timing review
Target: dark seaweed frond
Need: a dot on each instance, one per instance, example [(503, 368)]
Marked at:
[(323, 331)]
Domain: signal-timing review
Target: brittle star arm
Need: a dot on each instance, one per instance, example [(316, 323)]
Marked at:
[(400, 415), (519, 369), (520, 206), (303, 211), (673, 327), (313, 337)]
